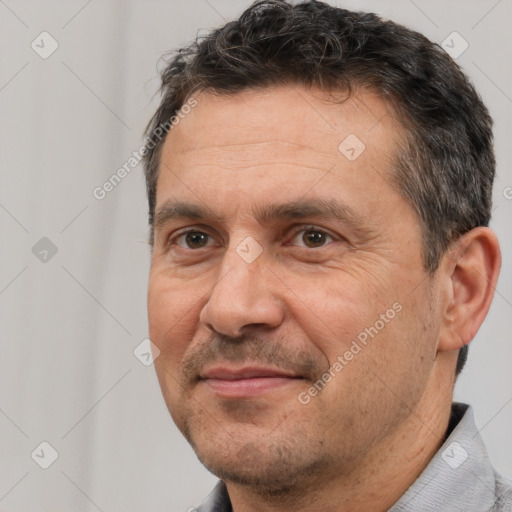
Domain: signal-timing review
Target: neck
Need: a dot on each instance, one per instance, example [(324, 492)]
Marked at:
[(381, 477)]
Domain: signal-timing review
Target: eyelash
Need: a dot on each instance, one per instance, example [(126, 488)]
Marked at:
[(303, 228)]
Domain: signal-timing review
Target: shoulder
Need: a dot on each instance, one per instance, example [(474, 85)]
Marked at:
[(503, 501)]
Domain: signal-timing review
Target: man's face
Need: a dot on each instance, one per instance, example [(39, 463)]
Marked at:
[(302, 265)]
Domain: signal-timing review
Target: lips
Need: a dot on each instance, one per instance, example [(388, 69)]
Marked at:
[(246, 382), (252, 372)]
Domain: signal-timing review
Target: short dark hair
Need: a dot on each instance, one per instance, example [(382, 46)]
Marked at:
[(445, 166)]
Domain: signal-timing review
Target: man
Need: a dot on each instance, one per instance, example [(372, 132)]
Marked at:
[(319, 187)]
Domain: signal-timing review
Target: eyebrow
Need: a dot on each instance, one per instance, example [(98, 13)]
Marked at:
[(298, 209)]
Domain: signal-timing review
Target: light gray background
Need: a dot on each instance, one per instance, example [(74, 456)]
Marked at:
[(70, 325)]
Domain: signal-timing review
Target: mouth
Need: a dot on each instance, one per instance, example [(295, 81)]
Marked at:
[(246, 382)]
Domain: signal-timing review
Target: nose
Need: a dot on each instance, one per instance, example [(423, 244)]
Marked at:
[(245, 294)]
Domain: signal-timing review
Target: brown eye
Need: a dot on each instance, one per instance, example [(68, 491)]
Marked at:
[(312, 238), (193, 240)]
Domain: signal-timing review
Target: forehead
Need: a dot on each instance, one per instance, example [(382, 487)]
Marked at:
[(287, 135), (306, 117)]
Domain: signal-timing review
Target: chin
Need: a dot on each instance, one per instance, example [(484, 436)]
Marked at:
[(271, 466)]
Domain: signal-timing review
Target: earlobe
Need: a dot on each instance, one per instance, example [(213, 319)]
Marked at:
[(472, 266)]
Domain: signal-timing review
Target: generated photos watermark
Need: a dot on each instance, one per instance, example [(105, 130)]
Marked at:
[(100, 192), (357, 345)]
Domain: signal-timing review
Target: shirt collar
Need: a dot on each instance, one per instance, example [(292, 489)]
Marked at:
[(460, 477), (217, 500)]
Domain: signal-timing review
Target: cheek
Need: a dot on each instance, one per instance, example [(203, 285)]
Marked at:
[(172, 308), (333, 312)]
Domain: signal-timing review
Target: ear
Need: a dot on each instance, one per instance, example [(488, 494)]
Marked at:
[(471, 268)]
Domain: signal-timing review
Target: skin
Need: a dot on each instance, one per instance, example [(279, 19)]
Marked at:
[(319, 282)]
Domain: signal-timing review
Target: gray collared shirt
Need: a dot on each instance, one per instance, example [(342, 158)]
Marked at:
[(460, 477)]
